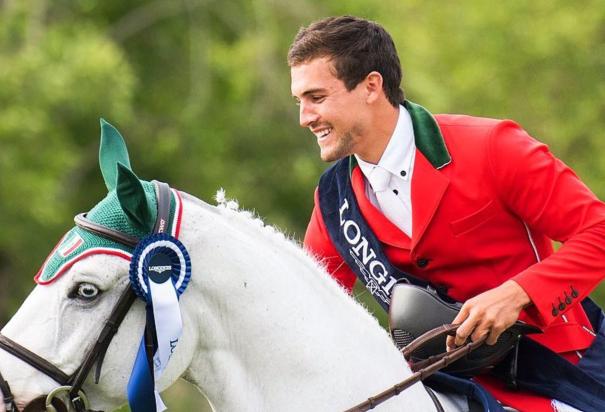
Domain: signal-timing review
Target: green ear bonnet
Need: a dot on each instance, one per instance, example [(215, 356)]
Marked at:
[(126, 191)]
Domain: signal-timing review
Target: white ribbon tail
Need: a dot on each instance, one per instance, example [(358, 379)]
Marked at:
[(168, 326)]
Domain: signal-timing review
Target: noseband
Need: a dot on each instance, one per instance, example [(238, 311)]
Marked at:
[(72, 384)]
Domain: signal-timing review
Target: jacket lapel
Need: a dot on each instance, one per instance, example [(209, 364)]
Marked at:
[(428, 187), (428, 183)]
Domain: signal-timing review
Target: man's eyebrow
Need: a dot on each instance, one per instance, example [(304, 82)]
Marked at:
[(313, 91)]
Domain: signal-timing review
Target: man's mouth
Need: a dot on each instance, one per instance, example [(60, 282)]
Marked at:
[(322, 134)]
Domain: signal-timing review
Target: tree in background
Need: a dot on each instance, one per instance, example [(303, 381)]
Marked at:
[(201, 92)]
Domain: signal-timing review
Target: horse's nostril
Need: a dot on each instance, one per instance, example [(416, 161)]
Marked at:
[(39, 405)]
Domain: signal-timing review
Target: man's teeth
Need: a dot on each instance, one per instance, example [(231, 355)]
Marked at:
[(324, 133)]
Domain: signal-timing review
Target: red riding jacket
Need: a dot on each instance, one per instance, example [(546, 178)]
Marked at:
[(487, 214)]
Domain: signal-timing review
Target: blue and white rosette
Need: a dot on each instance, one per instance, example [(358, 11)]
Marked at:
[(159, 273)]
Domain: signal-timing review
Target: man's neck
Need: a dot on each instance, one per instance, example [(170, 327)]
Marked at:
[(380, 132)]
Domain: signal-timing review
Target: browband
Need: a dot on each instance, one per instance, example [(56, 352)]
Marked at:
[(83, 222)]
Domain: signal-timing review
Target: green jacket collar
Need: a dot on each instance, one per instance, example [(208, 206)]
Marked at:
[(427, 137)]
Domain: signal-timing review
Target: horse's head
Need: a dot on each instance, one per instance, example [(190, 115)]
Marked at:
[(79, 287)]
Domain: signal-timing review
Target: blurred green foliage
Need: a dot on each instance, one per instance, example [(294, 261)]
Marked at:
[(200, 89)]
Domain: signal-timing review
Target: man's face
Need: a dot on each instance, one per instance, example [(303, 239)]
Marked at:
[(332, 113)]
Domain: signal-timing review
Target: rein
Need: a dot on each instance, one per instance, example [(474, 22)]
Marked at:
[(422, 369), (72, 384)]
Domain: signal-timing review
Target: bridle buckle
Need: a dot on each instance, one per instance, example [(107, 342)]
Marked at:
[(79, 402)]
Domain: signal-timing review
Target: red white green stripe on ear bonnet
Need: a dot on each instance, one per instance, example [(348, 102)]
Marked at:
[(129, 207)]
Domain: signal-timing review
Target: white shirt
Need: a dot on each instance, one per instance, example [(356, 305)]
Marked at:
[(398, 159)]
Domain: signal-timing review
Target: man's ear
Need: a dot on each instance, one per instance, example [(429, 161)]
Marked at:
[(373, 87)]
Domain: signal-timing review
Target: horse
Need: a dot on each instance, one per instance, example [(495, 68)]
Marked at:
[(265, 328)]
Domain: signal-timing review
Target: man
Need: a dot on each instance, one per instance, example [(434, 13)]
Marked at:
[(467, 204)]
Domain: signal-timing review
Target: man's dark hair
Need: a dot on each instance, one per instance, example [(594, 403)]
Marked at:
[(356, 48)]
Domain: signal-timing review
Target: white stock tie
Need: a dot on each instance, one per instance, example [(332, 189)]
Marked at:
[(390, 204)]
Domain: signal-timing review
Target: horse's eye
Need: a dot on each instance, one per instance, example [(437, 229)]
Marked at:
[(87, 291)]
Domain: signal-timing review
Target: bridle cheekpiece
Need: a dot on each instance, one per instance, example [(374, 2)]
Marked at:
[(71, 385)]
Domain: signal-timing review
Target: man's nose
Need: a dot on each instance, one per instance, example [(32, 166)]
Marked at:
[(307, 115)]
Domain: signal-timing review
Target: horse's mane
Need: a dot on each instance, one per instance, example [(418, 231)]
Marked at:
[(250, 222), (319, 305)]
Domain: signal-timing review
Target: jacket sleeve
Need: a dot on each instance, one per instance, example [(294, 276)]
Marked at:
[(317, 242), (550, 199)]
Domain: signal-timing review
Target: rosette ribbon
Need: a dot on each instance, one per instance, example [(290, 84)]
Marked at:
[(160, 270)]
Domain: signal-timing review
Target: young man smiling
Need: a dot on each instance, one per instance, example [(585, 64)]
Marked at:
[(339, 117), (468, 204)]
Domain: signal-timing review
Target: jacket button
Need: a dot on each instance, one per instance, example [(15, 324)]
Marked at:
[(555, 311), (562, 306), (422, 262), (574, 293)]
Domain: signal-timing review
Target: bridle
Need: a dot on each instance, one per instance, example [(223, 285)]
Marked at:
[(71, 385)]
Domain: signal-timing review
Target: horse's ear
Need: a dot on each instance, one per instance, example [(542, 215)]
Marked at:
[(112, 151), (132, 199)]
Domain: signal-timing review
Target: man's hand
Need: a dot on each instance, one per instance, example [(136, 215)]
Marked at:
[(491, 312)]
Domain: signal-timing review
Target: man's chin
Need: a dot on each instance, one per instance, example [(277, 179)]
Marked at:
[(328, 156), (336, 149)]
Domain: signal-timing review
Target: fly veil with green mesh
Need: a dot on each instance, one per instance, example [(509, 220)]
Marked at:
[(133, 220)]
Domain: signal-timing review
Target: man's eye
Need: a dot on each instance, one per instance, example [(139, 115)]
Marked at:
[(317, 99)]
